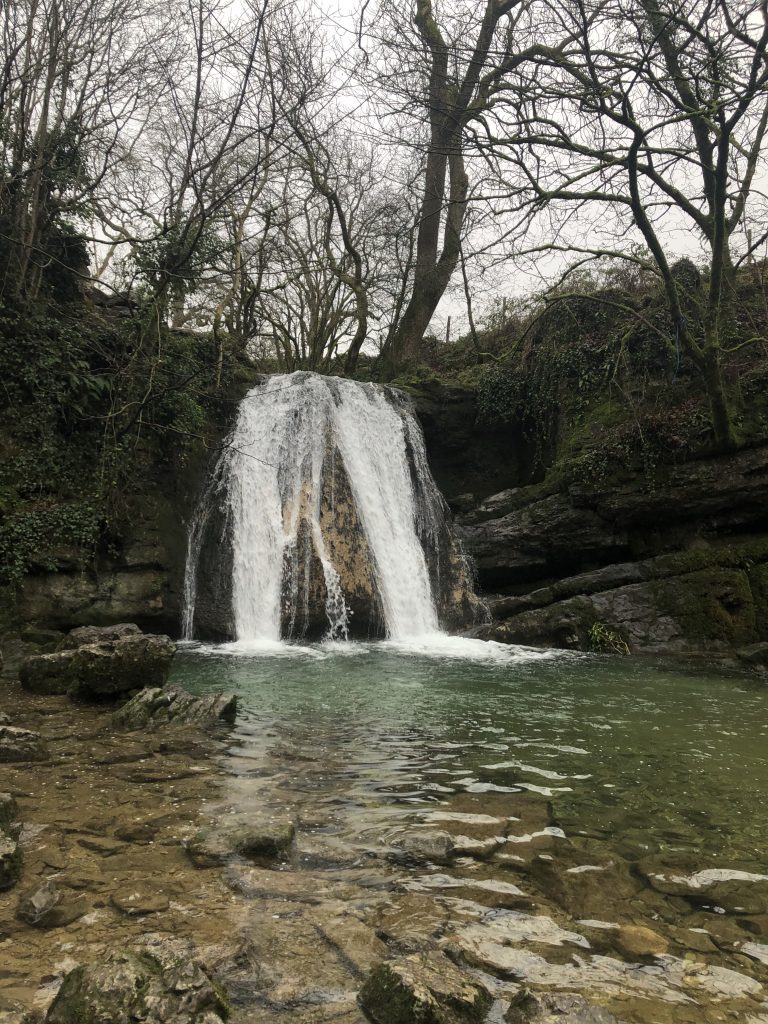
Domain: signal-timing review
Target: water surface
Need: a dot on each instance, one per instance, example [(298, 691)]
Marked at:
[(592, 782)]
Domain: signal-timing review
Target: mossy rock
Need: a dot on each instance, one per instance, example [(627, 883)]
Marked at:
[(136, 988), (711, 604), (423, 989)]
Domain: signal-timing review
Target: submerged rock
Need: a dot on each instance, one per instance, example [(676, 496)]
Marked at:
[(21, 745), (429, 845), (265, 839), (735, 891), (159, 706), (114, 667), (555, 1008), (423, 989), (137, 988), (36, 904), (8, 810), (10, 861), (638, 941)]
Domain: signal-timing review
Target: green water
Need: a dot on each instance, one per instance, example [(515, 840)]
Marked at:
[(597, 778), (642, 754)]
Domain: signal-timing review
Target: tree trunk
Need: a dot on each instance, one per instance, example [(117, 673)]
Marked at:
[(722, 425)]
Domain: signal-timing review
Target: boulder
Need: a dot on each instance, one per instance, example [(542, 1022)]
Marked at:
[(257, 839), (113, 667), (85, 635), (47, 673), (10, 861), (139, 988), (423, 989), (21, 745), (157, 707), (529, 1007)]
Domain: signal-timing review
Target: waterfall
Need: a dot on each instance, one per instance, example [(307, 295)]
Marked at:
[(324, 488)]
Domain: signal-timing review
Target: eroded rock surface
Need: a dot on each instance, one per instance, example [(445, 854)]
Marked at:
[(155, 707), (100, 662), (139, 988)]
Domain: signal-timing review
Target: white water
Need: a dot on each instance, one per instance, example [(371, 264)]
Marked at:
[(271, 474)]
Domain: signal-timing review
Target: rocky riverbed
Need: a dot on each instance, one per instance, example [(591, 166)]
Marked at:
[(238, 875)]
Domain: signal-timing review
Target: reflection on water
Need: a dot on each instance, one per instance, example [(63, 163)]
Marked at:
[(570, 789)]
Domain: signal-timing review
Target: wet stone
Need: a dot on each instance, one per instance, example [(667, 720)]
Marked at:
[(423, 989), (21, 745), (638, 941), (36, 904), (555, 1008), (430, 846), (136, 901), (83, 635), (102, 845), (157, 707), (264, 839), (47, 673), (110, 668), (9, 810), (137, 988), (10, 861)]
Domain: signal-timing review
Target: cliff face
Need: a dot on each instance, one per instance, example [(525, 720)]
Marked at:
[(673, 563), (676, 562)]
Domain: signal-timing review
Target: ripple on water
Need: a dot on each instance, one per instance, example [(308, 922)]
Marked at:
[(637, 784)]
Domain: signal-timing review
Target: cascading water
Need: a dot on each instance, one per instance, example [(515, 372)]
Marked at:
[(320, 477)]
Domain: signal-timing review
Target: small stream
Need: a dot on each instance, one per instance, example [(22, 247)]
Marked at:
[(535, 809)]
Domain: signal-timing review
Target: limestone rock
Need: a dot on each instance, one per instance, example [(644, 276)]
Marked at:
[(155, 707), (113, 667), (548, 537), (265, 839), (47, 673), (21, 745), (423, 989), (136, 988), (85, 635), (10, 861), (555, 1008)]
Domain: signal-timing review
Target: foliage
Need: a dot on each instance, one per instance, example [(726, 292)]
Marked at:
[(89, 413), (604, 640)]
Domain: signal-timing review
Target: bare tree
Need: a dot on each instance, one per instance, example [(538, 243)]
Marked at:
[(646, 136), (444, 68)]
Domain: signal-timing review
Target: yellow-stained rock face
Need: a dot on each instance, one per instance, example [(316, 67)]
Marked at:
[(345, 546)]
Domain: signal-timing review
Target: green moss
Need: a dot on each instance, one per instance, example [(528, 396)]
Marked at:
[(758, 581), (714, 604)]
